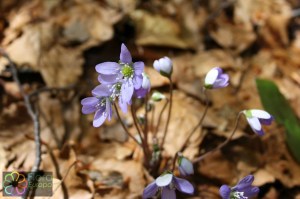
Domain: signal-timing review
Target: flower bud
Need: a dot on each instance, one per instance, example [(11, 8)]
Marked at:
[(215, 78), (164, 66), (157, 96), (185, 166)]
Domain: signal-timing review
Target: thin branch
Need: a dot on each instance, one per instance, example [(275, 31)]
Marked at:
[(34, 114)]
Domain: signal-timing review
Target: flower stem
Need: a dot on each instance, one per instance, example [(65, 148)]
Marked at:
[(174, 162), (199, 123), (224, 143), (124, 127), (146, 121), (137, 126), (169, 114), (159, 117)]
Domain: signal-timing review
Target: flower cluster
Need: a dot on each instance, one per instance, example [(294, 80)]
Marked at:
[(119, 81), (126, 79)]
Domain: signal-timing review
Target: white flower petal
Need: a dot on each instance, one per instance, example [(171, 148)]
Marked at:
[(260, 114), (164, 180), (254, 123), (211, 76)]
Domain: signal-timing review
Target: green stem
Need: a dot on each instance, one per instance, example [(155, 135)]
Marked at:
[(224, 143)]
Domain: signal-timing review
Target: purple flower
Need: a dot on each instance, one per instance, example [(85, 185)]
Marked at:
[(164, 66), (243, 190), (167, 183), (215, 78), (125, 76), (256, 118), (100, 103), (145, 88), (185, 166)]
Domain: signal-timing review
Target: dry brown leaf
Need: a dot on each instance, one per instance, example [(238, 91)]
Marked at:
[(130, 170), (157, 30), (88, 24)]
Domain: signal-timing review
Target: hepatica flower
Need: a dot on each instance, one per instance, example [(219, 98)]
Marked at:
[(100, 103), (166, 184), (215, 78), (243, 190), (124, 76), (164, 66), (256, 118)]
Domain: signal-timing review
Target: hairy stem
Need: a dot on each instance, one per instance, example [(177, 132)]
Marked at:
[(169, 114), (124, 126)]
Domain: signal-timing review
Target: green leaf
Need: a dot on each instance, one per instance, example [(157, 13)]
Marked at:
[(275, 103)]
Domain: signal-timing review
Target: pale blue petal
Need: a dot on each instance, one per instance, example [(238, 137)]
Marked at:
[(138, 67), (183, 185), (99, 118), (102, 90), (123, 105), (150, 190), (225, 192), (127, 91), (108, 79), (125, 55), (89, 101), (137, 81), (108, 68), (88, 109)]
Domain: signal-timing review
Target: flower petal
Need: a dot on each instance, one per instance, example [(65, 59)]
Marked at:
[(137, 81), (122, 105), (255, 125), (260, 114), (108, 79), (225, 191), (251, 191), (127, 91), (141, 92), (125, 55), (88, 109), (168, 193), (150, 190), (211, 76), (108, 68), (164, 180), (89, 101), (183, 185), (102, 90), (99, 118), (221, 81), (138, 67), (245, 182), (185, 167)]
